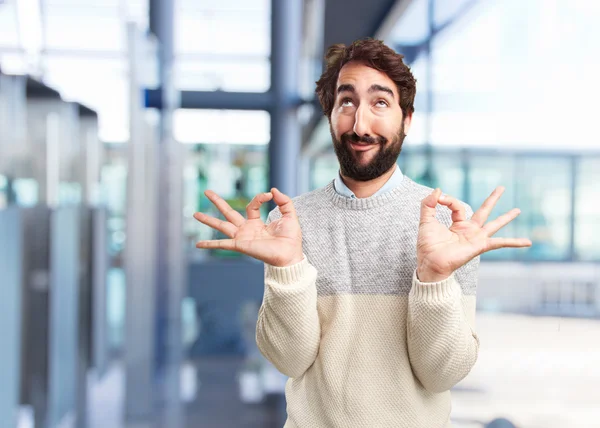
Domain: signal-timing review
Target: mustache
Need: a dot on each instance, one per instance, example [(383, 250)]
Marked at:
[(355, 138)]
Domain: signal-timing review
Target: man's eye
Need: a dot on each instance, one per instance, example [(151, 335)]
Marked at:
[(346, 102), (381, 103)]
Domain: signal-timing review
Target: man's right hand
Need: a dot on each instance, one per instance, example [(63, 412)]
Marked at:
[(279, 243)]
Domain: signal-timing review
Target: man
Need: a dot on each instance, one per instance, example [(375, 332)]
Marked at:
[(370, 281)]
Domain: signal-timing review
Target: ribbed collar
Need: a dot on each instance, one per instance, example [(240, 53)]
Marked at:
[(393, 181), (374, 201)]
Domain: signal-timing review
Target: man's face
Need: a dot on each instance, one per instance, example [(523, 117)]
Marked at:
[(367, 124)]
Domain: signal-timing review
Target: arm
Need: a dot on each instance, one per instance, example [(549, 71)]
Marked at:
[(288, 328), (442, 343), (288, 331)]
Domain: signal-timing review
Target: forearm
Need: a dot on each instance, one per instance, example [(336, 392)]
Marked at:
[(288, 329), (442, 343)]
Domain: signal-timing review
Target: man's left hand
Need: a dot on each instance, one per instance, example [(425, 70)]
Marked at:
[(442, 250)]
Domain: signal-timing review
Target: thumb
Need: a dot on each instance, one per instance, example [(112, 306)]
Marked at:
[(428, 206), (284, 202)]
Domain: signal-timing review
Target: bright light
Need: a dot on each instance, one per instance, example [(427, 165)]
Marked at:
[(30, 28)]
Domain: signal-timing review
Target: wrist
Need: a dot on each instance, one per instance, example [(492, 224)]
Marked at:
[(295, 260), (427, 275)]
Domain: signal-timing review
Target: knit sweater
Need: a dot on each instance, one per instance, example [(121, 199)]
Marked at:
[(364, 343)]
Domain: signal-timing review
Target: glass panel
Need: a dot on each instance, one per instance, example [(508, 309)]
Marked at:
[(97, 28), (544, 197), (99, 83), (235, 172), (413, 26), (324, 169), (3, 192), (249, 74), (480, 64), (9, 31), (485, 174), (413, 165), (587, 210), (446, 10), (231, 27), (222, 126), (449, 174)]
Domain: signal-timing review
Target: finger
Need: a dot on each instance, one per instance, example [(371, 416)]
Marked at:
[(284, 202), (222, 244), (497, 243), (222, 226), (458, 209), (253, 208), (481, 215), (428, 205), (230, 214), (495, 225)]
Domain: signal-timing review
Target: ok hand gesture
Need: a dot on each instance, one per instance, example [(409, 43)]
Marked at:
[(442, 250), (277, 244)]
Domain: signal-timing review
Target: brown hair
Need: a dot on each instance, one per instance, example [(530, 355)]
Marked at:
[(375, 54)]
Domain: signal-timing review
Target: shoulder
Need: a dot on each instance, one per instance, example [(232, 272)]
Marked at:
[(305, 202)]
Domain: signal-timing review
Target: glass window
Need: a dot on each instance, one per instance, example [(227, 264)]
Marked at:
[(9, 31), (449, 174), (108, 95), (413, 26), (543, 193), (445, 10), (222, 126), (223, 45), (324, 169), (3, 192), (413, 164), (445, 170), (495, 60), (587, 210), (486, 172), (234, 74), (235, 172), (88, 28), (226, 27)]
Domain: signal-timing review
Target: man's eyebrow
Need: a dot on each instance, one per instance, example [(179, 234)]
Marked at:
[(380, 88), (346, 87)]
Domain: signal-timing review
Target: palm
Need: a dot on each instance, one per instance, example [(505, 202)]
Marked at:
[(448, 248), (275, 243), (442, 250), (279, 243)]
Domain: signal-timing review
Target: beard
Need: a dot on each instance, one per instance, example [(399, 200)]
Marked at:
[(384, 159)]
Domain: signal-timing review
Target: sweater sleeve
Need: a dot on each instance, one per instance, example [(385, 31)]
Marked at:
[(442, 343), (288, 331)]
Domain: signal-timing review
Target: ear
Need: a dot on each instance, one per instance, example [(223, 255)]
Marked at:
[(407, 122)]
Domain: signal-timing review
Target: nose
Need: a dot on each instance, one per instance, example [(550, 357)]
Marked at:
[(362, 122)]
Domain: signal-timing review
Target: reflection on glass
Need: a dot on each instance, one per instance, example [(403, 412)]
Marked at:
[(323, 170), (539, 185), (235, 172), (487, 172), (587, 210), (544, 197)]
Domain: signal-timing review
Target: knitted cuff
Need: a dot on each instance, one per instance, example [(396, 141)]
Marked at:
[(288, 274), (435, 291)]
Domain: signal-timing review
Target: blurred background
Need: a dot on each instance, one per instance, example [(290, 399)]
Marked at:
[(116, 115)]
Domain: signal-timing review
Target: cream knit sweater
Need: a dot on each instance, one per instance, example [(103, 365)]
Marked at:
[(364, 343)]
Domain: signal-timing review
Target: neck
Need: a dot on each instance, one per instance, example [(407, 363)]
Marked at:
[(364, 189)]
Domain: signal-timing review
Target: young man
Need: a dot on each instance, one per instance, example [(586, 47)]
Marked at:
[(370, 281)]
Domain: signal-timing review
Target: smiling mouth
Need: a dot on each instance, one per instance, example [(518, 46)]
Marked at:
[(361, 147)]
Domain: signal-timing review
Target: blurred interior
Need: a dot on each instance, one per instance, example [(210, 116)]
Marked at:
[(116, 116)]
